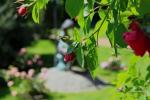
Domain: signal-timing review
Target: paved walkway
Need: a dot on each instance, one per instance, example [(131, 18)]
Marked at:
[(71, 81)]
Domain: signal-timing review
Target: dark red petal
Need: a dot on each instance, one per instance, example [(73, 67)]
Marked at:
[(130, 37), (137, 41), (135, 26)]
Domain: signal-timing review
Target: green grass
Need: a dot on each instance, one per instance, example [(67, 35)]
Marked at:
[(42, 47), (104, 53), (107, 93)]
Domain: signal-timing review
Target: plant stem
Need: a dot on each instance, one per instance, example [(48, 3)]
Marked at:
[(97, 31), (94, 10)]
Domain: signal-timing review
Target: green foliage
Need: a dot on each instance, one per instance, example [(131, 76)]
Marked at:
[(134, 83), (144, 7), (73, 7), (113, 22), (110, 33), (135, 80), (91, 57), (103, 27), (37, 7), (80, 56), (119, 35), (123, 4)]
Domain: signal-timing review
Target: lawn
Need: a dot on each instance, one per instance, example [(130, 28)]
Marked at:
[(106, 93), (43, 47)]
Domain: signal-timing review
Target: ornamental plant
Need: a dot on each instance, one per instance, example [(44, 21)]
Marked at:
[(126, 23)]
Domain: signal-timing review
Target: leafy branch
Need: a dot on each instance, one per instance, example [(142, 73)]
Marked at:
[(97, 31)]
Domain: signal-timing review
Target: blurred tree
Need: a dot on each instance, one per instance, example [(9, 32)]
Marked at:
[(13, 33)]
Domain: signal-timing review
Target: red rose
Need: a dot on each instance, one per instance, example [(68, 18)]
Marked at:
[(136, 39), (134, 26), (69, 57), (130, 37)]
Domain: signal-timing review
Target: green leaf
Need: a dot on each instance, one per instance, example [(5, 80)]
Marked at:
[(121, 79), (144, 7), (115, 16), (130, 74), (90, 3), (103, 27), (142, 66), (123, 4), (80, 19), (148, 90), (72, 47), (73, 7), (80, 55), (119, 35), (113, 4), (87, 19), (101, 13), (110, 33), (91, 56), (132, 70), (142, 97), (87, 25), (37, 8), (104, 1), (35, 14), (77, 35)]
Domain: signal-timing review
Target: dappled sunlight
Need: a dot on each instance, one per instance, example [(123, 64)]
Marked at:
[(74, 50)]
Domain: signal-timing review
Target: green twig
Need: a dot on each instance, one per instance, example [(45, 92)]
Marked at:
[(98, 28)]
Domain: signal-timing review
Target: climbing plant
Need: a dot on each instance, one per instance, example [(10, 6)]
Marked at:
[(125, 23)]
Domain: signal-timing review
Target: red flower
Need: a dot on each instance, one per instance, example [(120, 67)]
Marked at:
[(130, 37), (136, 39), (69, 57), (135, 26), (22, 10), (136, 42)]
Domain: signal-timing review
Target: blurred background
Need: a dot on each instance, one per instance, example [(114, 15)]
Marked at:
[(28, 59)]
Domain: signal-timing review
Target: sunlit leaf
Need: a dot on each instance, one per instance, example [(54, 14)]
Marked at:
[(73, 7)]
